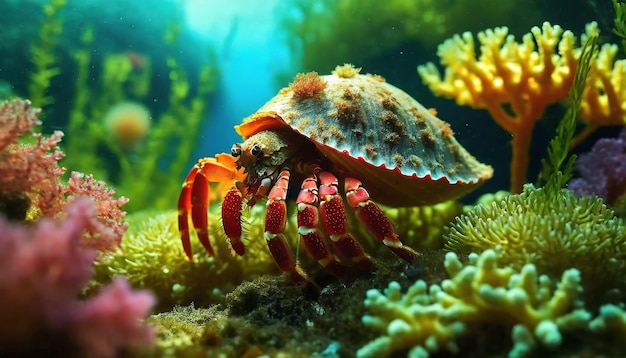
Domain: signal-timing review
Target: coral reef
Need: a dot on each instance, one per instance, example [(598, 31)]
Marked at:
[(515, 82), (44, 269), (47, 261), (151, 257), (603, 173), (30, 177), (429, 319), (537, 224)]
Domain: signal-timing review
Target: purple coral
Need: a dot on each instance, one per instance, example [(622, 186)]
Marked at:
[(603, 170), (44, 269)]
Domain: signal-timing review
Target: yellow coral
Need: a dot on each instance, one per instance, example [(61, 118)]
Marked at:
[(152, 258), (552, 231), (604, 99), (515, 82), (429, 319)]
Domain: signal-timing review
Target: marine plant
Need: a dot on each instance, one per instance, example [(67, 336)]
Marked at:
[(324, 33), (528, 242), (45, 63), (157, 156), (515, 82)]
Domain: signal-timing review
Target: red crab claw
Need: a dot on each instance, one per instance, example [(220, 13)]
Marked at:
[(194, 198)]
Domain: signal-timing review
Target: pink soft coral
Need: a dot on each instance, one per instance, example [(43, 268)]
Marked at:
[(30, 172), (44, 268)]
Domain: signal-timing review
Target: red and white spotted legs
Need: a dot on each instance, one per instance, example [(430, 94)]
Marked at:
[(231, 219), (275, 221), (335, 223), (375, 220), (308, 227)]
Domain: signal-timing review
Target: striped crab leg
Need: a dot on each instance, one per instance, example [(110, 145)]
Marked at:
[(275, 222), (194, 198), (308, 222), (375, 220), (335, 223)]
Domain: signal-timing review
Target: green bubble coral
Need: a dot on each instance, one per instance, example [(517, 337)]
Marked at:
[(152, 258), (429, 319), (552, 230)]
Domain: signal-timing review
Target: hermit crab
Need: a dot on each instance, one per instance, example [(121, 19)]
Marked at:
[(345, 137)]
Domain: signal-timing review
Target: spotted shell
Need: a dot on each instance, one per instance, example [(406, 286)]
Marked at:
[(375, 132)]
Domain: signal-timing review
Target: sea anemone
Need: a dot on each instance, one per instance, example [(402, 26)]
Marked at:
[(127, 122), (553, 231)]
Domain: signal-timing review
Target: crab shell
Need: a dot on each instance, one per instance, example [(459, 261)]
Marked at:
[(373, 131)]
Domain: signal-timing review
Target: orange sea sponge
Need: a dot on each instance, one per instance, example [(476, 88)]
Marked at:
[(127, 122), (307, 85)]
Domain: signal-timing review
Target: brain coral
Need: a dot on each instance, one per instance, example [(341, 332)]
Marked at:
[(553, 231)]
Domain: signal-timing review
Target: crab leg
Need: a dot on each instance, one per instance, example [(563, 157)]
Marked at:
[(308, 222), (335, 222), (375, 220), (231, 219), (194, 197), (184, 205), (275, 221)]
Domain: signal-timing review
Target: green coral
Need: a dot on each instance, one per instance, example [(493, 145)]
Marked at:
[(553, 231), (152, 258), (429, 319)]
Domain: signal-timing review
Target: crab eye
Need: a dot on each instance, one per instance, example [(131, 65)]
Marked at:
[(256, 150), (235, 151)]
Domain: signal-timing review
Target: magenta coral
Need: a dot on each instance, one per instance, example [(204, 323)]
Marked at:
[(31, 171), (44, 269), (603, 170), (29, 168), (108, 210)]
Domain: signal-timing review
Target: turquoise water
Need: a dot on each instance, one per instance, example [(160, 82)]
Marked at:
[(257, 48)]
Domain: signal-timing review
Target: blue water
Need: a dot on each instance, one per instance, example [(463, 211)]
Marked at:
[(250, 54)]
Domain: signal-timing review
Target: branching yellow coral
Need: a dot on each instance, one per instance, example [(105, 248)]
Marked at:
[(515, 82), (552, 231), (429, 319), (604, 99)]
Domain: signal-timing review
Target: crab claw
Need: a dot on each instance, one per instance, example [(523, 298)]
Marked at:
[(194, 197)]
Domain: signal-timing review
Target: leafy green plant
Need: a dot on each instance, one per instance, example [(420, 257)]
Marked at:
[(557, 167)]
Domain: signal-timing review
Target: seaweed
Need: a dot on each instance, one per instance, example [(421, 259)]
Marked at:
[(557, 166)]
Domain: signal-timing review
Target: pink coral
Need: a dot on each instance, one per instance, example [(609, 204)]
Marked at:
[(29, 168), (44, 268), (30, 172), (107, 210)]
